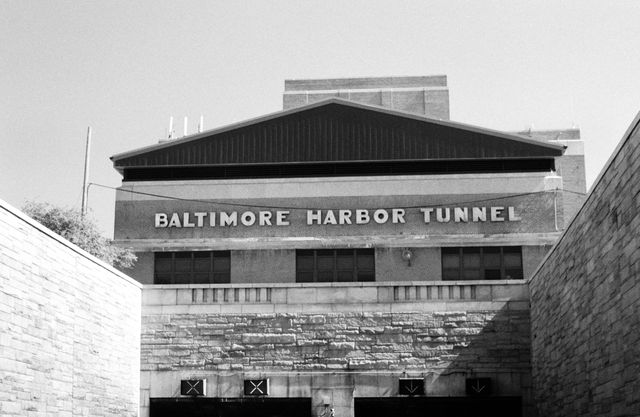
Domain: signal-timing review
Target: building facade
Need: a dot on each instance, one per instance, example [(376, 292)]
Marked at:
[(357, 252)]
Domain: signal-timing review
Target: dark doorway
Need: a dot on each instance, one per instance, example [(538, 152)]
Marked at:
[(230, 407), (438, 407)]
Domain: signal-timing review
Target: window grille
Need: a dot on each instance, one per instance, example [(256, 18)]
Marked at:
[(335, 265), (206, 267), (480, 263)]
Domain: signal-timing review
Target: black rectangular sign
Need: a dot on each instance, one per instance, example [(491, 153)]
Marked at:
[(411, 386), (478, 387), (193, 387), (256, 386)]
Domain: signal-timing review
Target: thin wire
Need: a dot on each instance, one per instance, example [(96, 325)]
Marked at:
[(257, 206)]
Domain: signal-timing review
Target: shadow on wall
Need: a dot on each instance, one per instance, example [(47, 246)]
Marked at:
[(455, 346), (487, 361)]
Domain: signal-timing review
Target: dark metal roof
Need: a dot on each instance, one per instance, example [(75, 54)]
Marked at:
[(336, 130)]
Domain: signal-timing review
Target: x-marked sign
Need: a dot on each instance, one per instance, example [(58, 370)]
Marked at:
[(256, 387), (193, 387)]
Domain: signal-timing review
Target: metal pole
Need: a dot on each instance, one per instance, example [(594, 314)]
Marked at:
[(85, 186), (555, 207)]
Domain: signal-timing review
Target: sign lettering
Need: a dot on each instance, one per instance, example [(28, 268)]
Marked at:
[(338, 217)]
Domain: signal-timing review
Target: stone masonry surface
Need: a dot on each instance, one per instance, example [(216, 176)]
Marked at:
[(585, 299), (468, 341), (69, 327)]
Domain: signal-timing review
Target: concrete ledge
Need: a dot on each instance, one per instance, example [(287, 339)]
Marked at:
[(59, 239), (437, 306), (382, 241), (336, 297)]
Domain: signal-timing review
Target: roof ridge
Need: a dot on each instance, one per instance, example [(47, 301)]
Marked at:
[(327, 101)]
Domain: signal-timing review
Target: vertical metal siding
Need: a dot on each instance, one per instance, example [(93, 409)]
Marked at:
[(338, 133)]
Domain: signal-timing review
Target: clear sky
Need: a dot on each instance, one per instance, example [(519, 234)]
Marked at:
[(124, 67)]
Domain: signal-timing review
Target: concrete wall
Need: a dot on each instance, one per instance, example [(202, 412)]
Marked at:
[(426, 265), (260, 266), (69, 327), (427, 96), (337, 341), (531, 258), (585, 298)]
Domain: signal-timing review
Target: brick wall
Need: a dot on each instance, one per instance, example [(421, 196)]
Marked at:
[(69, 327), (426, 95), (572, 170), (570, 166), (585, 298)]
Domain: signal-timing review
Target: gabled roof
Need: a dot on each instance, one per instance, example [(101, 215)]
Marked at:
[(336, 130)]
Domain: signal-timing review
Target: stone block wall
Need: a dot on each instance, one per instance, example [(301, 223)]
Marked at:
[(69, 327), (337, 356), (585, 299), (472, 341)]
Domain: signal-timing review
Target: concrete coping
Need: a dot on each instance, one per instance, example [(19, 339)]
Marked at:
[(336, 294), (339, 284), (56, 237)]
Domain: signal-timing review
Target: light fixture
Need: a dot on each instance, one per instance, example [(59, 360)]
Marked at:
[(407, 254)]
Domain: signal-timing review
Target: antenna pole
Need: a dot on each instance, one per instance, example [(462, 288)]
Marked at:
[(85, 185)]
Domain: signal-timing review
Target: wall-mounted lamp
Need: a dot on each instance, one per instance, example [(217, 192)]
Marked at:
[(407, 255)]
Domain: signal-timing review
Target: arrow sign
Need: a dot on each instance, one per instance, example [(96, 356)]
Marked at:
[(478, 387), (411, 386)]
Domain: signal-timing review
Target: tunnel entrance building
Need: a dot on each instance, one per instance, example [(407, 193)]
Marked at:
[(353, 240)]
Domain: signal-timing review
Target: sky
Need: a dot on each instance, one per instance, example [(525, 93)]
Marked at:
[(125, 67)]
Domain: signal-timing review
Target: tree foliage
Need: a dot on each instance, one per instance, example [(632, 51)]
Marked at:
[(81, 231)]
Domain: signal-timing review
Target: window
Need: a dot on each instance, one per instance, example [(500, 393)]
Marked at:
[(335, 265), (211, 267), (482, 263)]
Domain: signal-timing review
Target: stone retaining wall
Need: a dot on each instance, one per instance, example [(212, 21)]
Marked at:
[(336, 353), (468, 341), (69, 327), (585, 299)]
